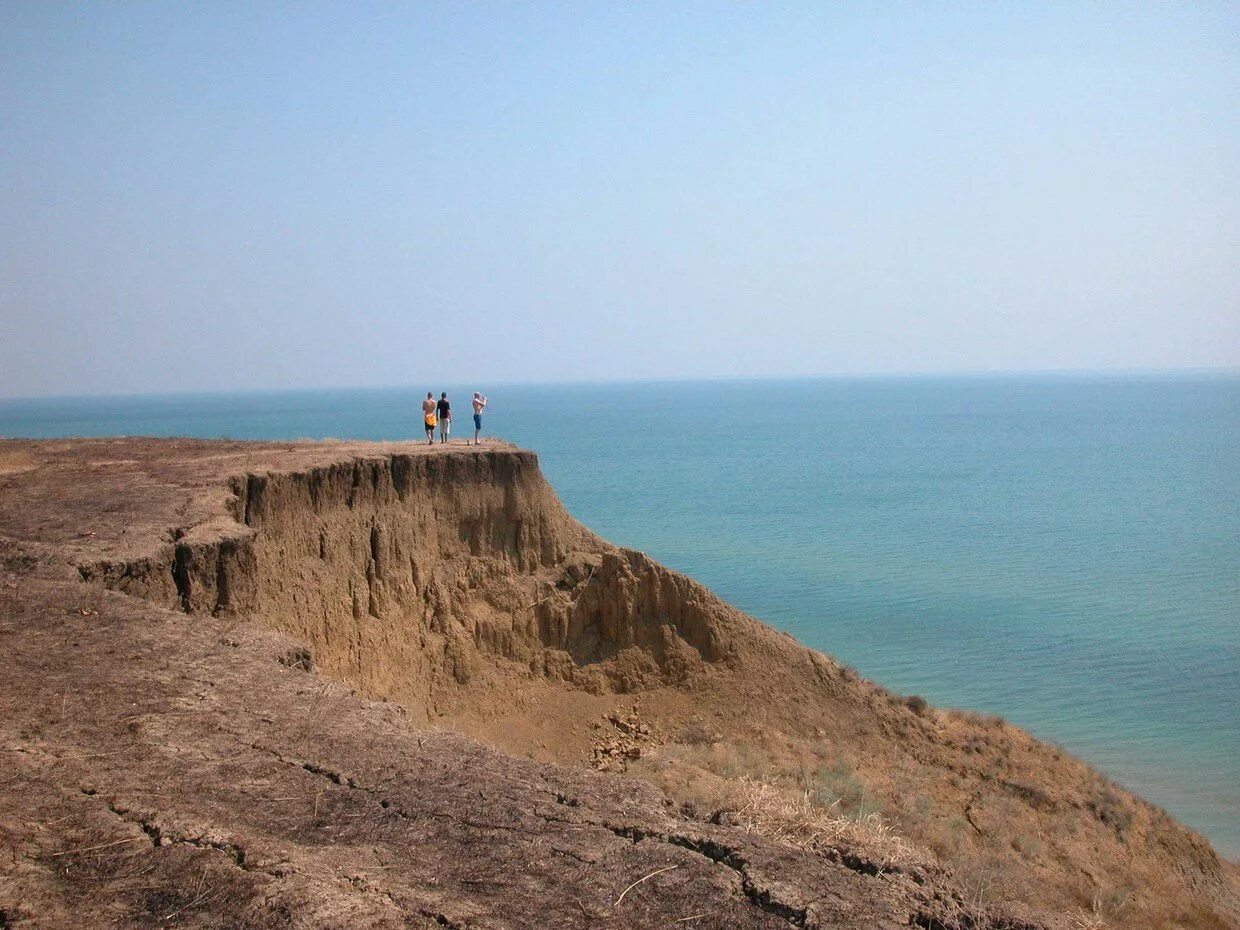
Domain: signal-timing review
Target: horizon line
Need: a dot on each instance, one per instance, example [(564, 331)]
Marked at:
[(928, 374)]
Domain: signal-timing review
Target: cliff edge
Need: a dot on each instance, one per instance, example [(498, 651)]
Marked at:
[(353, 684)]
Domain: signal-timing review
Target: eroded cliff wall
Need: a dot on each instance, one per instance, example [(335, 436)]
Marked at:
[(410, 576)]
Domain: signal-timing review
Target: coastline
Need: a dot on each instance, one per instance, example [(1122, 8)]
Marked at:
[(687, 686), (1005, 568)]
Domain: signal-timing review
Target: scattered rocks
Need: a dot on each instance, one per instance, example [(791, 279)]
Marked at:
[(622, 740)]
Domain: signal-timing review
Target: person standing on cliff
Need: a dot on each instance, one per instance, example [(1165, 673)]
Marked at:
[(428, 417), (480, 403), (445, 416)]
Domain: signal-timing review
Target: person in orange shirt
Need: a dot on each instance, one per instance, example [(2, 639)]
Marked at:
[(428, 417)]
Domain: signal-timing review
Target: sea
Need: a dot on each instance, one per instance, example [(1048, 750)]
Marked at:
[(1062, 550)]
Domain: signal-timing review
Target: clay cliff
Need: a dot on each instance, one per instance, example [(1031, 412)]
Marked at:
[(425, 652)]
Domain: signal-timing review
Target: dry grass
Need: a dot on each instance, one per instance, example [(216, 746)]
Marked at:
[(762, 809), (1087, 920)]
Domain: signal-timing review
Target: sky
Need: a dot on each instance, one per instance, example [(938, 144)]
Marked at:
[(226, 196)]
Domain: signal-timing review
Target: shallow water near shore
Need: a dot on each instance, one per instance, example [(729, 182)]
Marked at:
[(1060, 550)]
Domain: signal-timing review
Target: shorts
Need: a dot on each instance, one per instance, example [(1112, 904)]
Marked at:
[(477, 421)]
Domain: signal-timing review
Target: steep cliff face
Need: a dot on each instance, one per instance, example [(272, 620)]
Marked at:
[(454, 583), (413, 575)]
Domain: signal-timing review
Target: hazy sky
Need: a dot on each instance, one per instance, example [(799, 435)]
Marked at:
[(221, 195)]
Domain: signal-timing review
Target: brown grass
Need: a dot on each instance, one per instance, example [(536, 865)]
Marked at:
[(760, 808)]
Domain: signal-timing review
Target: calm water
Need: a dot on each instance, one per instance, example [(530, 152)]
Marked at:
[(1061, 551)]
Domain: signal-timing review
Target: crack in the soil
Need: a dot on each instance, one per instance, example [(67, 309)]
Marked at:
[(160, 838), (365, 884), (314, 768), (762, 898), (862, 865), (968, 815), (753, 890), (334, 777), (344, 781), (442, 919), (569, 854)]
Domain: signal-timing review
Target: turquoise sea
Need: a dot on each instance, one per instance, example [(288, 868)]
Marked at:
[(1061, 550)]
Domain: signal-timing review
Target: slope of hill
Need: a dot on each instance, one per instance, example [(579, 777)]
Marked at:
[(235, 671)]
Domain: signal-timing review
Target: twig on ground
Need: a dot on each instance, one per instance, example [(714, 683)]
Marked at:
[(642, 879), (201, 895), (92, 755), (85, 849)]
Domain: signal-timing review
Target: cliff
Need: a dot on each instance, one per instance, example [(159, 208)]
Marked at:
[(245, 678)]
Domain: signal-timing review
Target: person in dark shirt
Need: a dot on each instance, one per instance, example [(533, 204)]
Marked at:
[(445, 416)]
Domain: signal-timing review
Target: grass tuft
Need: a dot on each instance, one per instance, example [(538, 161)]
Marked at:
[(797, 821)]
